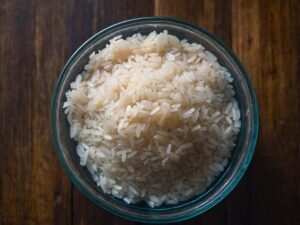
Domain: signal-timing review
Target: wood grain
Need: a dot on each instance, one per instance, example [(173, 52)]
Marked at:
[(50, 192), (16, 128), (34, 189), (267, 41), (37, 37)]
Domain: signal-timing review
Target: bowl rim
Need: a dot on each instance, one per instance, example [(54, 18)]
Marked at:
[(253, 135)]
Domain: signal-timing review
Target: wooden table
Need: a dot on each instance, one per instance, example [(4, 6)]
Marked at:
[(38, 36)]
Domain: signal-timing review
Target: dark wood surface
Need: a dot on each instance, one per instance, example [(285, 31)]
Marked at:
[(38, 36)]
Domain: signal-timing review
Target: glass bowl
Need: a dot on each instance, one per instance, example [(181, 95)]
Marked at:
[(241, 155)]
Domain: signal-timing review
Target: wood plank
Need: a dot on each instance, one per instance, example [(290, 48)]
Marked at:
[(265, 36), (81, 27), (49, 194), (105, 13), (33, 189), (277, 166), (245, 43), (16, 51), (108, 12), (215, 16)]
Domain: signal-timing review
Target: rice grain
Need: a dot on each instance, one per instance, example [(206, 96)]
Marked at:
[(154, 117)]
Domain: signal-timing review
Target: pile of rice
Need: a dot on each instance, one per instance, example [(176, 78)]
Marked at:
[(154, 117)]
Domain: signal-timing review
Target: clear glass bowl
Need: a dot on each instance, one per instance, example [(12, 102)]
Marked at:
[(242, 154)]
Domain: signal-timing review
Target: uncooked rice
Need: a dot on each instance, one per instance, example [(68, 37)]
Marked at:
[(154, 117)]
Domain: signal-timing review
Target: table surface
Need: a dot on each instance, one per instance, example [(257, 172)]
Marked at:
[(38, 36)]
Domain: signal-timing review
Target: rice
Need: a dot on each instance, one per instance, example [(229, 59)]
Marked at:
[(154, 117)]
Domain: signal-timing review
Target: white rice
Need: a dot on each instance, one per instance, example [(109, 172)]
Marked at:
[(154, 117)]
